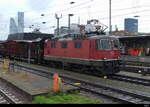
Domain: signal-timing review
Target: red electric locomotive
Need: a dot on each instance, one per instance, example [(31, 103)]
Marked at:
[(97, 54)]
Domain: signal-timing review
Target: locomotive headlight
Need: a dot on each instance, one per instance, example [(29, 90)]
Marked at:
[(105, 77), (105, 58), (140, 71)]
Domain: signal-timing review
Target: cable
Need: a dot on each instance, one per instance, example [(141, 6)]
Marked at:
[(103, 11), (114, 10), (77, 6), (119, 15)]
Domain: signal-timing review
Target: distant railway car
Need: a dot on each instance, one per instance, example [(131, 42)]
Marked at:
[(2, 48), (11, 49), (97, 54), (24, 50)]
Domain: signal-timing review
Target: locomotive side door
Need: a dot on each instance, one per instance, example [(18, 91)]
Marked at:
[(97, 49), (92, 49)]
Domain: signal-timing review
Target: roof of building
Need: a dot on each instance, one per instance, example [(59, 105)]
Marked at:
[(29, 36), (133, 37), (29, 41)]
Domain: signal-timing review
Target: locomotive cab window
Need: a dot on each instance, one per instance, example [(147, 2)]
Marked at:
[(78, 45), (116, 44), (64, 45), (105, 44), (53, 45)]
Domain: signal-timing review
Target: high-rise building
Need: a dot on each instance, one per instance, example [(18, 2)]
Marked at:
[(13, 27), (20, 22), (19, 27), (131, 25)]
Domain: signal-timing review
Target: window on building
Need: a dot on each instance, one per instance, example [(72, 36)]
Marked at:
[(53, 45), (78, 45), (64, 45)]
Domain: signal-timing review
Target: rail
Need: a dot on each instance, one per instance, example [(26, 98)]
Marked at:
[(130, 79), (7, 97)]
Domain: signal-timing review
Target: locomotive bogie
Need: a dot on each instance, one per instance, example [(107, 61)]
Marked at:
[(100, 69)]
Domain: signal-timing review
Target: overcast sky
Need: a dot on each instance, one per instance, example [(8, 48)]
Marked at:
[(85, 9)]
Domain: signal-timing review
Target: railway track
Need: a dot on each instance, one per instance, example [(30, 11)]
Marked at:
[(112, 92), (120, 94), (7, 97), (3, 100), (135, 67), (144, 70), (134, 80)]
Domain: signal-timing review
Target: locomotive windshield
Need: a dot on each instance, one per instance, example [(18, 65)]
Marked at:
[(103, 45)]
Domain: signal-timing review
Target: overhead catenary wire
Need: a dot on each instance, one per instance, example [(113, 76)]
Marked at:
[(49, 17), (83, 3), (96, 12)]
